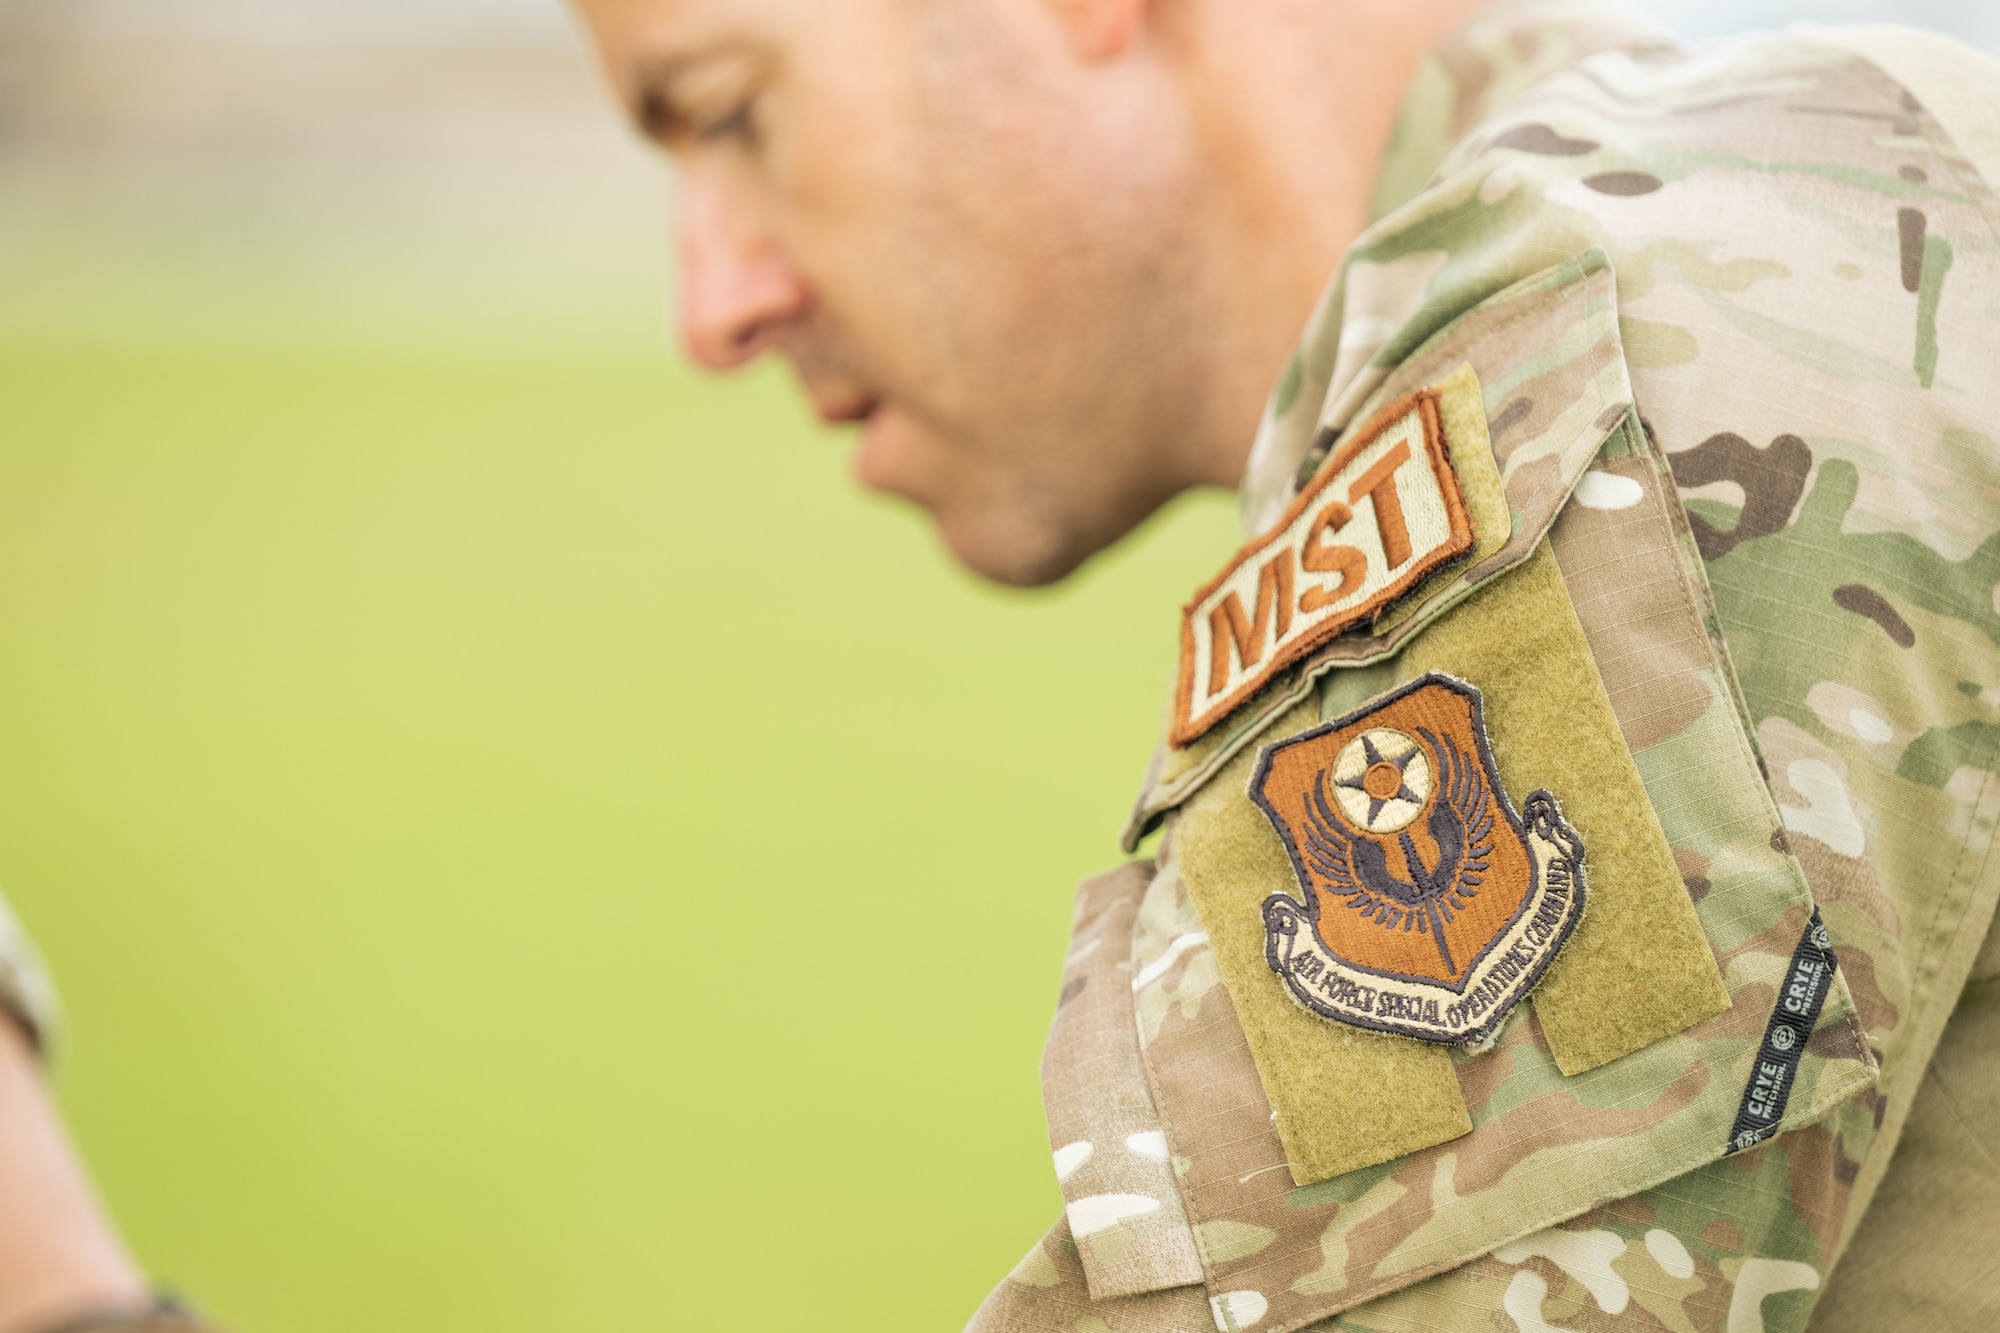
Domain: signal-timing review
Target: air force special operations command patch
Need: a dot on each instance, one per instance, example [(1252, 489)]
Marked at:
[(1430, 906)]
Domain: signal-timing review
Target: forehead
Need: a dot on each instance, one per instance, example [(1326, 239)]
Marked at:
[(663, 31), (677, 64)]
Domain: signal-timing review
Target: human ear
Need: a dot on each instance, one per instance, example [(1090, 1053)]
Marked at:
[(1100, 29)]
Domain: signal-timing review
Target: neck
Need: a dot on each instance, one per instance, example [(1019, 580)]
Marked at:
[(1295, 103)]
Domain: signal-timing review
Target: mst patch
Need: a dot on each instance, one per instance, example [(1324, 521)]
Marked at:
[(1430, 906), (1384, 513)]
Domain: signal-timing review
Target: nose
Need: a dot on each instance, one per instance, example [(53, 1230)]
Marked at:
[(737, 289)]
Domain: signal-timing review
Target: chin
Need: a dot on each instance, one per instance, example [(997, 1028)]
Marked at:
[(996, 517), (1015, 555)]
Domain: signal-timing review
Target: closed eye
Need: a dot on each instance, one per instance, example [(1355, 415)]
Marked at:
[(702, 99), (735, 124)]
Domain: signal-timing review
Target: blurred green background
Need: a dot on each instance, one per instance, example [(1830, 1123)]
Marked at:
[(525, 845), (526, 848)]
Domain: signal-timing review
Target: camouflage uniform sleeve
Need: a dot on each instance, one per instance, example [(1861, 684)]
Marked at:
[(1903, 1269), (1901, 1266), (1954, 82)]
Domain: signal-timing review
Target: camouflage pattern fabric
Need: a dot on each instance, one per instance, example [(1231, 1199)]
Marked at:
[(1923, 1256), (1123, 1207), (1806, 273)]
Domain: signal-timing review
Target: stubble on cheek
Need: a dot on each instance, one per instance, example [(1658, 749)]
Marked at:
[(998, 288)]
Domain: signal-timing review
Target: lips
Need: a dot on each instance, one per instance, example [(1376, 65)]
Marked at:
[(843, 408), (840, 400), (873, 461)]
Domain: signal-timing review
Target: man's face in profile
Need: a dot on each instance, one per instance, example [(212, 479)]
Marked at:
[(973, 226)]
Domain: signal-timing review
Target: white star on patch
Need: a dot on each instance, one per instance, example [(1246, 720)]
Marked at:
[(1382, 779)]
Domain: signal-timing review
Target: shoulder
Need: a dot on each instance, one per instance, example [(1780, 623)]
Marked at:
[(1780, 197)]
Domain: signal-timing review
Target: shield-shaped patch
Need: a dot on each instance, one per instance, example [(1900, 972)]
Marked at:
[(1431, 906)]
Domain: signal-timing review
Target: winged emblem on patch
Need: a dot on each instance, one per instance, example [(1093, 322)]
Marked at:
[(1430, 905)]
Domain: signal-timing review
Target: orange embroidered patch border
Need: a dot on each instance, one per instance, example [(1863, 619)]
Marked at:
[(1431, 907), (1390, 498)]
